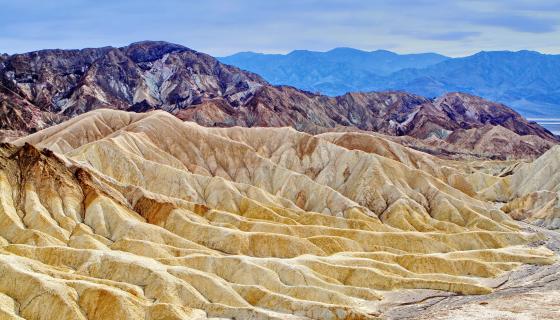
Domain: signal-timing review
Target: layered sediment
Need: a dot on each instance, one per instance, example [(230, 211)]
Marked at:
[(123, 215)]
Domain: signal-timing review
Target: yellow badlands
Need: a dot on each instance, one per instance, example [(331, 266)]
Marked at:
[(142, 216)]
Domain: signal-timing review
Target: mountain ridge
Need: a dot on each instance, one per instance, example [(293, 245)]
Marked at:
[(46, 87), (323, 71)]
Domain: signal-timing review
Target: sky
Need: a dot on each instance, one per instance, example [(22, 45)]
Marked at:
[(222, 27)]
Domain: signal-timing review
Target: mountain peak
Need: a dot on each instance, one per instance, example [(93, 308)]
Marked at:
[(346, 50), (153, 43), (506, 53), (150, 50)]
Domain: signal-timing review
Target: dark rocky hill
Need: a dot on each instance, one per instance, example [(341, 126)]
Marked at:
[(38, 89)]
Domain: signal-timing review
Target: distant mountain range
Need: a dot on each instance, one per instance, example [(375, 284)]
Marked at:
[(335, 72), (526, 80)]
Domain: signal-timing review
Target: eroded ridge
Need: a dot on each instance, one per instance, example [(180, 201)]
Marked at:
[(531, 192), (130, 216)]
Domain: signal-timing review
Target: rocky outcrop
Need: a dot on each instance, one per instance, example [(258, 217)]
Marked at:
[(532, 191), (19, 115), (142, 75), (470, 112), (496, 140)]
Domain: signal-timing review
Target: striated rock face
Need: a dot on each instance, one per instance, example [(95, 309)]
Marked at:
[(141, 76), (497, 140), (19, 115), (532, 191), (470, 111), (45, 87), (143, 216)]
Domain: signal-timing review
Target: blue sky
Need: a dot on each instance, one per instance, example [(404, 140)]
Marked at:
[(221, 27)]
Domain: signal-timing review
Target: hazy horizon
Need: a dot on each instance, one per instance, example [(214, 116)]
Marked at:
[(393, 51), (286, 52), (220, 28)]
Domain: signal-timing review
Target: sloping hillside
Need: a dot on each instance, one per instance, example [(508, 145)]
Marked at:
[(132, 216)]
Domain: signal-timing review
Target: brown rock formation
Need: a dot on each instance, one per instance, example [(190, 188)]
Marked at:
[(497, 140)]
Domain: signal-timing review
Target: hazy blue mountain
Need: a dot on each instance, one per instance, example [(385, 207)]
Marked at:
[(526, 80), (333, 72)]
